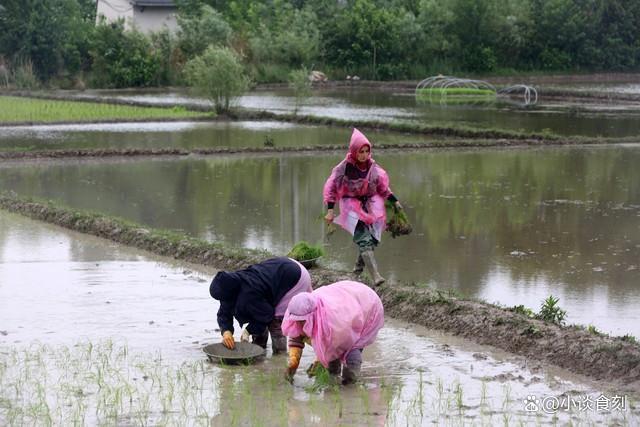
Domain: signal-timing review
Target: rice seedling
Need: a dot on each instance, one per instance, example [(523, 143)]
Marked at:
[(397, 221), (19, 110), (303, 251)]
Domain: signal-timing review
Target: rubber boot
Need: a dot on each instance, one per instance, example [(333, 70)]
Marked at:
[(357, 269), (350, 374), (351, 370), (372, 267), (278, 340)]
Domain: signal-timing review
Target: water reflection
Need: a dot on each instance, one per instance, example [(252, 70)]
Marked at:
[(186, 135), (511, 226), (122, 332), (365, 104)]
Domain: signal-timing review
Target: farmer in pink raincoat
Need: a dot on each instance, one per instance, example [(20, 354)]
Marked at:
[(360, 186), (338, 321)]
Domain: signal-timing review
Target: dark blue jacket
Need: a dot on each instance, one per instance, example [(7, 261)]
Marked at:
[(251, 295)]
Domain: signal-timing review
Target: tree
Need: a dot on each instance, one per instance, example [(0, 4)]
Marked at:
[(123, 58), (197, 31), (218, 75), (300, 84), (52, 34)]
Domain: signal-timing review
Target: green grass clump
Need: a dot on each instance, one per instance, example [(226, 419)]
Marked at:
[(303, 251), (21, 110), (397, 221), (550, 311), (521, 309)]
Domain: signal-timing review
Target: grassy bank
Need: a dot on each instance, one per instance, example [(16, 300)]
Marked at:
[(31, 110), (613, 359)]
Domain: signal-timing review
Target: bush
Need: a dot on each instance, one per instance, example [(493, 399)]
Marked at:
[(24, 76), (123, 58), (199, 31), (300, 84), (218, 75)]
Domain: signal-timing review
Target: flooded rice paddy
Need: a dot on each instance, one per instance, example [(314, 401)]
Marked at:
[(184, 135), (508, 226), (568, 118), (96, 333)]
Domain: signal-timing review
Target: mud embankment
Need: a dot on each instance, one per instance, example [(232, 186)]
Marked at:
[(169, 152), (611, 359)]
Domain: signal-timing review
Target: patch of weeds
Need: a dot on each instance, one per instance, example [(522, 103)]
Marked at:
[(440, 298), (400, 297), (594, 331), (268, 141), (550, 311), (521, 309), (499, 321), (608, 348), (532, 331), (629, 338)]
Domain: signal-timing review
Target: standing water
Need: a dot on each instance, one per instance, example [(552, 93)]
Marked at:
[(95, 333), (508, 226)]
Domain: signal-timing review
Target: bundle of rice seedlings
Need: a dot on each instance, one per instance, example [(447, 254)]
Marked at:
[(397, 221), (303, 251)]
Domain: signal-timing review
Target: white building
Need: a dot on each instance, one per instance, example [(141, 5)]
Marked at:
[(144, 15)]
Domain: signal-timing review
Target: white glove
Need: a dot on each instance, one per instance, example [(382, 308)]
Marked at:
[(245, 335)]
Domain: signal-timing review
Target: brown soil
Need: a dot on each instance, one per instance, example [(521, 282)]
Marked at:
[(611, 359)]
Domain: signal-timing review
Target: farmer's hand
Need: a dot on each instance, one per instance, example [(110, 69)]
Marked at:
[(313, 368), (295, 354), (329, 216), (245, 335), (227, 340), (398, 205)]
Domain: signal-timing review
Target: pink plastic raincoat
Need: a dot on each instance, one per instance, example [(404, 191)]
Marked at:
[(348, 192), (337, 318)]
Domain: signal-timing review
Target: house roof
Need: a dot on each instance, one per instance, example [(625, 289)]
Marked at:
[(153, 3)]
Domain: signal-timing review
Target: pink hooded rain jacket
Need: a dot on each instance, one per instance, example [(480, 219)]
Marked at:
[(347, 193), (338, 318)]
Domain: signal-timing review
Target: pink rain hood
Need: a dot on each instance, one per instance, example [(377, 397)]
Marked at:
[(345, 192), (357, 141), (337, 318)]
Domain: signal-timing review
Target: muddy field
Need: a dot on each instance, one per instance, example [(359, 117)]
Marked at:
[(115, 335), (612, 360), (133, 322)]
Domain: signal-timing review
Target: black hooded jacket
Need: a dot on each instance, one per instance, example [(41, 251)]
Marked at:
[(251, 295)]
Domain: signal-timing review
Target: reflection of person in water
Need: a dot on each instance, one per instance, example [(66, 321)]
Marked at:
[(338, 320), (258, 296), (360, 186)]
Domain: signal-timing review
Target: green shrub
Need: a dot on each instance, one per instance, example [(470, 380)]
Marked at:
[(301, 85), (551, 312), (123, 58), (198, 31)]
